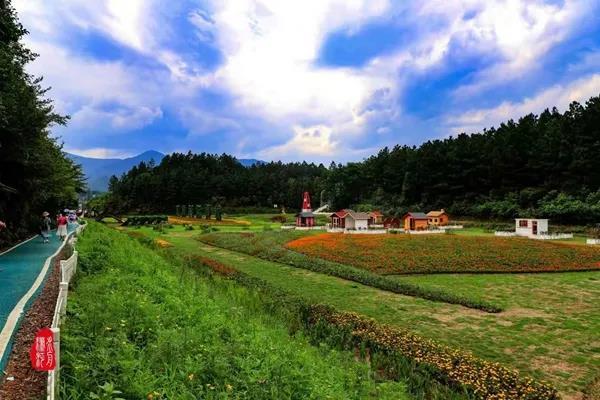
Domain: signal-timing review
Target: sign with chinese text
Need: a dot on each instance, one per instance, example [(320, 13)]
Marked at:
[(42, 353)]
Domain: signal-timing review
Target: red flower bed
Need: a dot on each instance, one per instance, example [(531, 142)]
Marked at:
[(404, 254)]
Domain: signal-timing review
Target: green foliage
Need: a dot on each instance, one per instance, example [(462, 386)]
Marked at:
[(270, 246), (35, 175), (136, 220), (156, 329), (107, 392)]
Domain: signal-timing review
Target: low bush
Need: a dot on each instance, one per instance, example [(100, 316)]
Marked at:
[(145, 220)]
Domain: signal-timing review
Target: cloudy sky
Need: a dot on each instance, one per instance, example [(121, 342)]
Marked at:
[(319, 80)]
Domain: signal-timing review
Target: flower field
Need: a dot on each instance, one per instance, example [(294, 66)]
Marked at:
[(391, 347), (404, 254)]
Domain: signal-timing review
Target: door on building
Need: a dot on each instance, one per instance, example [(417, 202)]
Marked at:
[(412, 224), (534, 228)]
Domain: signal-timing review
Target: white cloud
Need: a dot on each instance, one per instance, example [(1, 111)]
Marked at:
[(559, 96), (311, 140), (122, 119), (270, 48), (99, 152)]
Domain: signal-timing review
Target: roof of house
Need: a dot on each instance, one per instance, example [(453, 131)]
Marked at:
[(416, 215), (305, 214), (355, 215), (376, 213), (436, 213)]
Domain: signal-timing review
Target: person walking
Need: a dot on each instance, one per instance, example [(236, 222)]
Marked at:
[(62, 222), (45, 227)]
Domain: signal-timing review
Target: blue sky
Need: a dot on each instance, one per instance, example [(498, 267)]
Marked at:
[(318, 80)]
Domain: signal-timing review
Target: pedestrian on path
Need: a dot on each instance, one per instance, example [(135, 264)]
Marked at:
[(45, 227), (62, 222)]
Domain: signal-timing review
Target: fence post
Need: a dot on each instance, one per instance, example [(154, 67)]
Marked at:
[(75, 259), (56, 335), (63, 291)]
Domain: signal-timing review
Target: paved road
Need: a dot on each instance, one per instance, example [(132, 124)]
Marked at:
[(19, 269)]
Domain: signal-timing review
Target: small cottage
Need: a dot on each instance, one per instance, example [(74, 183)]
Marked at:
[(350, 219), (376, 218), (531, 226), (438, 218), (392, 223), (305, 218), (415, 221)]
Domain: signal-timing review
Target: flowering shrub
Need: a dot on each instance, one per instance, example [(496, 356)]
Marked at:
[(486, 380), (388, 345), (402, 254)]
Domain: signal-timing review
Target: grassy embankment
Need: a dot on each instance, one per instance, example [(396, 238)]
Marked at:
[(547, 330), (154, 329)]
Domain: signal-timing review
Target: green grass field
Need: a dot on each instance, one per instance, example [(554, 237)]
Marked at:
[(154, 329), (548, 330)]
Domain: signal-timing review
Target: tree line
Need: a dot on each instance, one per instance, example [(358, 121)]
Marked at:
[(35, 175), (545, 165)]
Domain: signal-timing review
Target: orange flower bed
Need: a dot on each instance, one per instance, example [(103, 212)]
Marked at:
[(405, 254), (162, 243)]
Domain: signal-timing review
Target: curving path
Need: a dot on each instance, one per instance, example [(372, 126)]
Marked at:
[(22, 270)]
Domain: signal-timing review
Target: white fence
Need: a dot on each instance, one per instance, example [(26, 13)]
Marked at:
[(68, 268), (427, 232), (505, 233), (545, 236), (552, 236), (593, 241), (366, 231)]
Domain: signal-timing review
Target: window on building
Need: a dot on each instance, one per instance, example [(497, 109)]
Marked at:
[(523, 223)]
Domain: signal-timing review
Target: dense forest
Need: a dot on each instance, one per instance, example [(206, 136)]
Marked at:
[(35, 175), (546, 165)]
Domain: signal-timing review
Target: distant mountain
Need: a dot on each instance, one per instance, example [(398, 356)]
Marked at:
[(99, 170), (248, 162)]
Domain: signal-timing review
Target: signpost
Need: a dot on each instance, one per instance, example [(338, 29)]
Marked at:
[(42, 353)]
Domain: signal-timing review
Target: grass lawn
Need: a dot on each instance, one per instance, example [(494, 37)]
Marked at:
[(408, 254), (151, 328), (548, 331)]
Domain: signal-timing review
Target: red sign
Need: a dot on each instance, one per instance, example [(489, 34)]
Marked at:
[(42, 354)]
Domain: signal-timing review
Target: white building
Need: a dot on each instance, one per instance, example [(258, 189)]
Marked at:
[(350, 219), (531, 227)]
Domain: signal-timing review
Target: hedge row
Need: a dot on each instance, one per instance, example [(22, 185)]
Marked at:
[(134, 220), (396, 350)]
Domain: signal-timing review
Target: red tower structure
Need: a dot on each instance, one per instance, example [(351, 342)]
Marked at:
[(305, 218)]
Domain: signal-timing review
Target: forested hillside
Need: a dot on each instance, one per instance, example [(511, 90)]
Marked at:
[(35, 175), (546, 165)]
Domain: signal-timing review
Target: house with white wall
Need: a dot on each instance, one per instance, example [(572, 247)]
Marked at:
[(531, 226), (534, 228), (350, 220)]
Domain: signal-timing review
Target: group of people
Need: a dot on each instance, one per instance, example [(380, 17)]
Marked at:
[(62, 222)]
